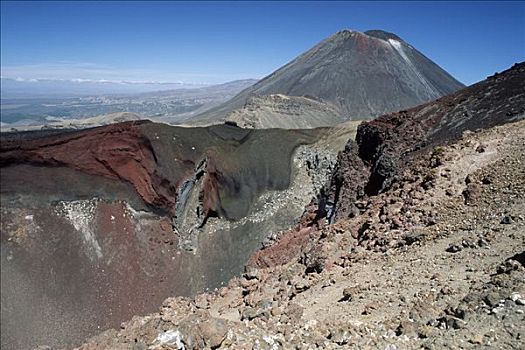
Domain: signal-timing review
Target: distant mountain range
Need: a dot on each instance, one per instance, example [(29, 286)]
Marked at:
[(361, 75), (67, 88), (167, 106)]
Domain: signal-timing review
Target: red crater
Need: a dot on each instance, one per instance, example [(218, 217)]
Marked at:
[(117, 151)]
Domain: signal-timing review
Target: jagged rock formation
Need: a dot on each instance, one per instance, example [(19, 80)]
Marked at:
[(390, 142), (387, 146), (429, 256), (362, 75)]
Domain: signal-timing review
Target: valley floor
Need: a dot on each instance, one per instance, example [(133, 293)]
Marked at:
[(437, 262)]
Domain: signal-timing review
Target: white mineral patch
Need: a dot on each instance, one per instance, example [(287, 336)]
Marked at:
[(171, 338), (80, 214), (137, 214), (399, 48)]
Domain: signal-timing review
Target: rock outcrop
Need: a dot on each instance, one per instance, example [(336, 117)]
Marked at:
[(387, 144)]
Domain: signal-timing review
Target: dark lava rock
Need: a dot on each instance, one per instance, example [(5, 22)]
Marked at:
[(492, 299), (463, 311), (454, 248), (413, 237), (482, 242), (391, 142), (507, 220), (348, 182), (347, 294), (518, 257), (480, 149), (314, 259), (487, 180), (250, 272), (452, 322), (472, 193)]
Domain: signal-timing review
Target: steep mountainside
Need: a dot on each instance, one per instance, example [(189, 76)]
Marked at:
[(426, 251), (362, 74)]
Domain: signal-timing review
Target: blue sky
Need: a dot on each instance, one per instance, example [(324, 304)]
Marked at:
[(212, 42)]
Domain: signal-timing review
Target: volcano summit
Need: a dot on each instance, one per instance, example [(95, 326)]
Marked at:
[(359, 75)]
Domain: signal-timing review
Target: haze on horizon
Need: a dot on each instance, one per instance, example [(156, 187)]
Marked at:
[(145, 46)]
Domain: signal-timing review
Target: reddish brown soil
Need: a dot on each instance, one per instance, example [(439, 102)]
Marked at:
[(288, 247)]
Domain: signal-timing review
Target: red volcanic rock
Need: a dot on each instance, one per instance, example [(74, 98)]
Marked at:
[(166, 164), (209, 195), (288, 247), (117, 151)]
